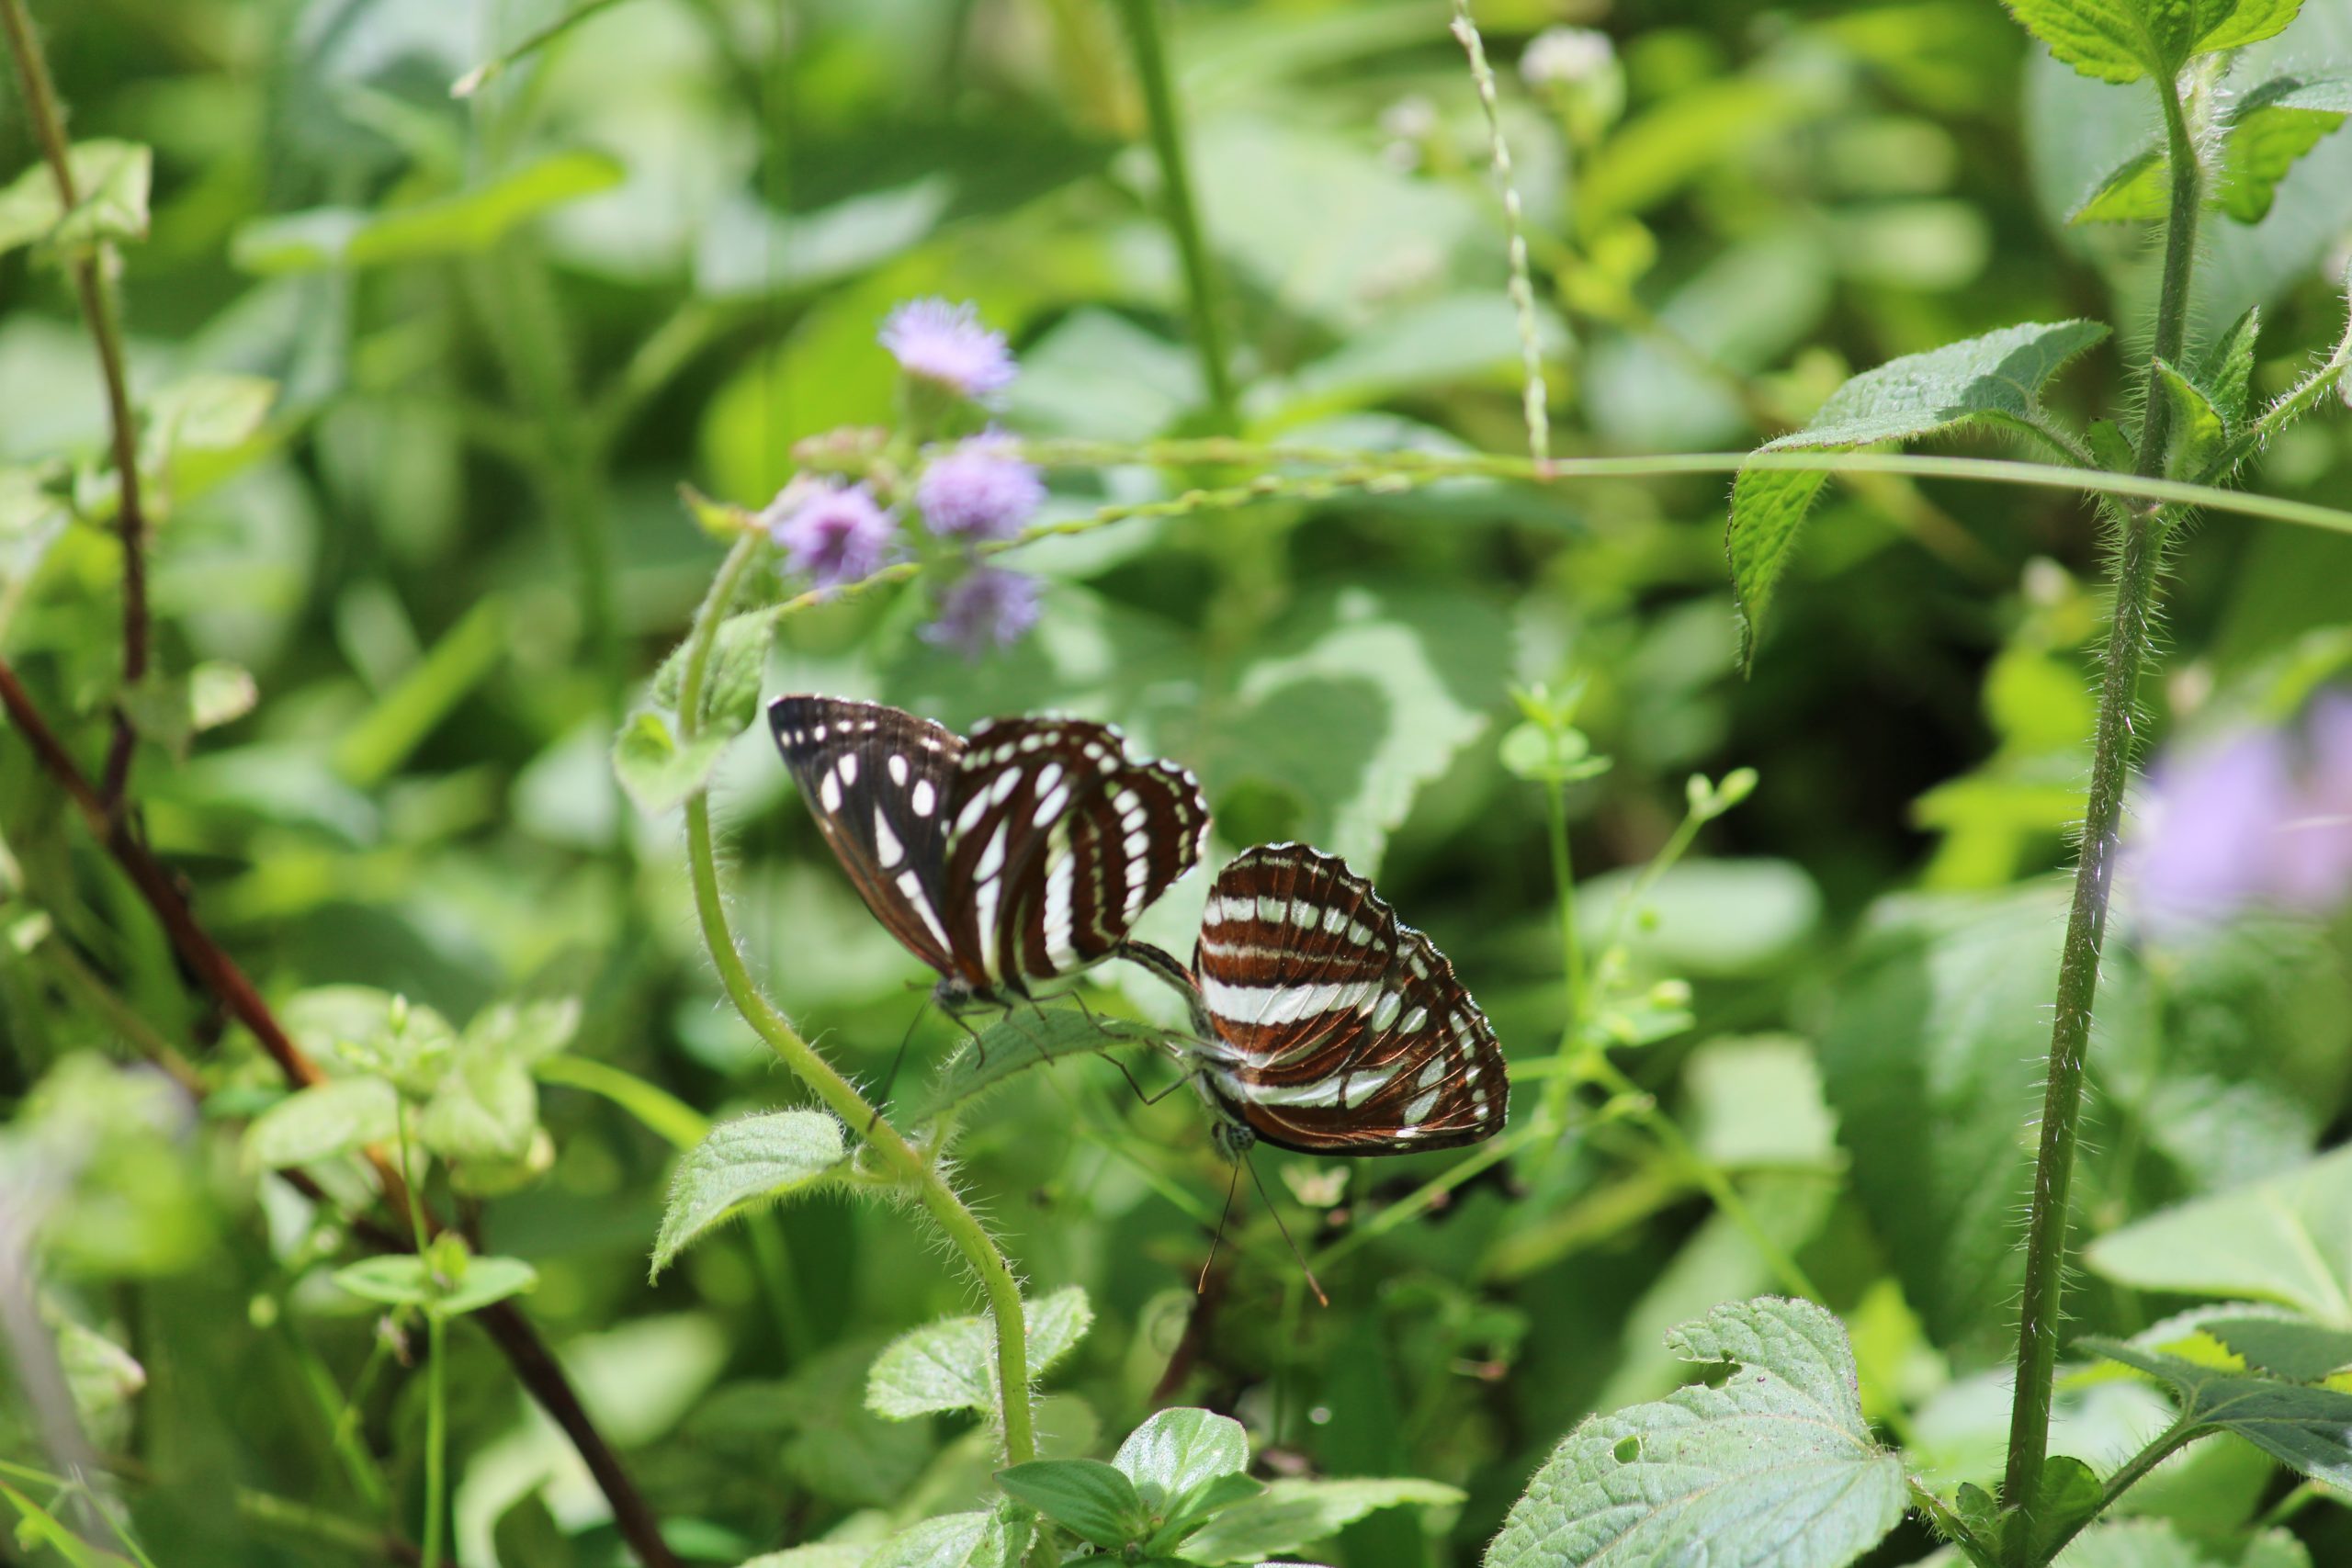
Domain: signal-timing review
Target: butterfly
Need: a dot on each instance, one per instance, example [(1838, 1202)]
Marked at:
[(1330, 1026), (1021, 854)]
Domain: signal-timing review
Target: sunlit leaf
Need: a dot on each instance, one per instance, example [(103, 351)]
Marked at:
[(110, 180), (1775, 1466), (1177, 1452), (322, 1121), (657, 770), (752, 1160), (1093, 1501), (950, 1364), (2280, 1240), (2307, 1429), (1292, 1513)]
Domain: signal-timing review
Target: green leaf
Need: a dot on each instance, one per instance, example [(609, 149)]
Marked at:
[(2071, 1493), (2226, 369), (2270, 130), (528, 1032), (2294, 1348), (817, 1554), (731, 677), (2198, 431), (950, 1364), (2106, 38), (2248, 21), (465, 224), (656, 770), (2139, 191), (1996, 379), (1025, 1039), (110, 180), (1094, 1501), (375, 1031), (1292, 1513), (401, 1278), (485, 1282), (1775, 1467), (1200, 1505), (324, 1121), (2280, 1240), (486, 1107), (748, 1161), (955, 1541), (528, 1532), (1178, 1450), (2160, 1543), (2307, 1429)]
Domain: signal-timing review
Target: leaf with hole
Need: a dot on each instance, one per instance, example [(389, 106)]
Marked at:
[(746, 1163), (1774, 1467), (950, 1364), (1995, 379)]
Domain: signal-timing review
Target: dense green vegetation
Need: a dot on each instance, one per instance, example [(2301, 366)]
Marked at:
[(450, 1114)]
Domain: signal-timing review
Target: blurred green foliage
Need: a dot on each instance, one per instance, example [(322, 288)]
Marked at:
[(419, 378)]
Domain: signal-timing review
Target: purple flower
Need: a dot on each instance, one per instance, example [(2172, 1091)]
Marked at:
[(989, 607), (979, 491), (832, 532), (2238, 824), (947, 344)]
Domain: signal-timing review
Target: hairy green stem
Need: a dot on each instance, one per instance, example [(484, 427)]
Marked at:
[(1200, 288), (1533, 391), (929, 1187), (2137, 557)]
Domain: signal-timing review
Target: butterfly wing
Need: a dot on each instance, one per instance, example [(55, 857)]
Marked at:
[(1059, 842), (1338, 1029), (879, 782)]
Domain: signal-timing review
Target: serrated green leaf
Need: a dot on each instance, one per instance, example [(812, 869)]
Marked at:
[(750, 1160), (1294, 1513), (2293, 1348), (2280, 1240), (2268, 129), (1029, 1038), (658, 772), (1775, 1467), (2198, 432), (324, 1121), (1178, 1450), (2307, 1429), (110, 181), (2139, 191), (2248, 21), (461, 224), (1093, 1501), (950, 1364), (2226, 369), (2106, 38), (955, 1541), (731, 677), (1996, 378)]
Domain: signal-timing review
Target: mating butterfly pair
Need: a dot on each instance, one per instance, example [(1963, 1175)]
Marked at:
[(1028, 851)]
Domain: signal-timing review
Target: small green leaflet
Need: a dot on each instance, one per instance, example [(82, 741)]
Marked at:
[(1292, 1513), (1993, 380), (1093, 1501), (753, 1159), (657, 770), (1774, 1469), (325, 1120), (2262, 133), (1177, 1452), (110, 181), (950, 1364), (731, 675)]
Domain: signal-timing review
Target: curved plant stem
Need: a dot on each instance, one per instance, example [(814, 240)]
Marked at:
[(922, 1177), (93, 274), (2136, 561), (1533, 391), (1201, 289)]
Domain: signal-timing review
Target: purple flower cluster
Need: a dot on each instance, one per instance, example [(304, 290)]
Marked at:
[(988, 608), (830, 532), (946, 345), (2258, 819), (978, 491)]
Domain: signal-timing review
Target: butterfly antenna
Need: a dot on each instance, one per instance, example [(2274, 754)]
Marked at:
[(1259, 1181), (1200, 1286), (892, 1077)]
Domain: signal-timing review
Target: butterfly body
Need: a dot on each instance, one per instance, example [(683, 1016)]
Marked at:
[(1021, 854), (1332, 1027)]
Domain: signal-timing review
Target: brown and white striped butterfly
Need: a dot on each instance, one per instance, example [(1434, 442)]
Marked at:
[(1022, 854), (1334, 1028)]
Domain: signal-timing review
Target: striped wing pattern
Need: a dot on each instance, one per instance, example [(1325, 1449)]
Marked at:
[(1022, 854), (1338, 1029), (1059, 842), (879, 782)]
